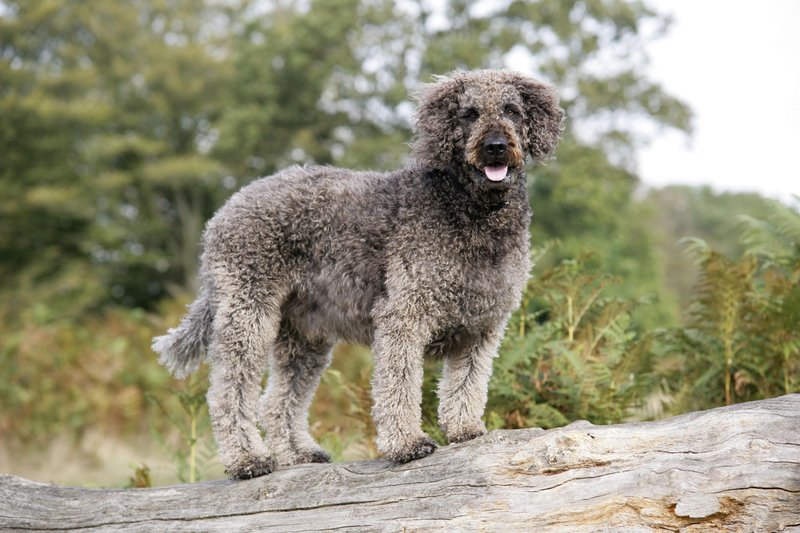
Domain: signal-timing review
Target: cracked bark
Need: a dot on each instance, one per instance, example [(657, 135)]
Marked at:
[(734, 468)]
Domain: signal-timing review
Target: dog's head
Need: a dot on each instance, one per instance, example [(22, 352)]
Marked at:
[(482, 124)]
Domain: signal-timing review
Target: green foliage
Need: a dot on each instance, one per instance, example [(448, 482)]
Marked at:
[(107, 116), (716, 317), (582, 199), (190, 418), (680, 211), (62, 377), (300, 92), (571, 352), (741, 340)]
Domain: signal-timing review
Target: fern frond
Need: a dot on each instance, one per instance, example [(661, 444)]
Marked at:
[(775, 240), (696, 248), (787, 221), (544, 416)]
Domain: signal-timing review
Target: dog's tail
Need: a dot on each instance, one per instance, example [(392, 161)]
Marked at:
[(182, 348)]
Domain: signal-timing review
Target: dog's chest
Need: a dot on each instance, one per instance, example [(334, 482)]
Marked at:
[(487, 288), (468, 284)]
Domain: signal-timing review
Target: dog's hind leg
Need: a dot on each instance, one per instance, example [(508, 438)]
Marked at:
[(296, 366), (243, 331), (463, 388)]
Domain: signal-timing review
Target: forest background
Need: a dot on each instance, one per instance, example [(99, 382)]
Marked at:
[(125, 125)]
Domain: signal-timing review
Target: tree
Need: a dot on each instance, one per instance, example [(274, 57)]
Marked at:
[(107, 120), (154, 111), (317, 83), (46, 108)]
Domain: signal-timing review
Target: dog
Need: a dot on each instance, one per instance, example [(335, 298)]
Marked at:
[(426, 261)]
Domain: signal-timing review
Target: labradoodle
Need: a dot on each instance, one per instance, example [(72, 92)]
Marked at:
[(426, 261)]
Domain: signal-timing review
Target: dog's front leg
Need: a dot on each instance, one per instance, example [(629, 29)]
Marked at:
[(397, 394), (464, 386)]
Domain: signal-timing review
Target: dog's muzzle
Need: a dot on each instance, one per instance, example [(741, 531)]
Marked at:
[(494, 151)]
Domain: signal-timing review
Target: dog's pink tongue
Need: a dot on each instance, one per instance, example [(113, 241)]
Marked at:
[(496, 173)]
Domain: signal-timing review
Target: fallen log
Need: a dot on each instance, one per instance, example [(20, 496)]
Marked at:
[(734, 468)]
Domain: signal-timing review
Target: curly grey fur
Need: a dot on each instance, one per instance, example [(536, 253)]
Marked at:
[(182, 348), (429, 260)]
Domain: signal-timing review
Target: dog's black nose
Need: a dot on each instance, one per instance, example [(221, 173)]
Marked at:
[(495, 146)]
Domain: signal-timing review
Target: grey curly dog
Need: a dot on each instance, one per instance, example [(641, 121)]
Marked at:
[(426, 261)]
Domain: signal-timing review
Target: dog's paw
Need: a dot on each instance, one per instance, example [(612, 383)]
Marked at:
[(300, 456), (422, 447), (254, 467), (313, 456), (464, 434)]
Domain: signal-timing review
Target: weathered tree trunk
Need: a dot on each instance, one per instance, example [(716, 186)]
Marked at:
[(729, 469)]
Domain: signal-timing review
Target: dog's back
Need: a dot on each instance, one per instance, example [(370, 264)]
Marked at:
[(316, 234), (330, 240)]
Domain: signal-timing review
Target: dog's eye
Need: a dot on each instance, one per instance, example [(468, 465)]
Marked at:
[(470, 115), (511, 112)]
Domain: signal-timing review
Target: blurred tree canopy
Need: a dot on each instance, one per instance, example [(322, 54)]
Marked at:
[(125, 125), (107, 122)]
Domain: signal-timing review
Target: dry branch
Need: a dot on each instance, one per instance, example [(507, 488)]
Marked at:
[(729, 469)]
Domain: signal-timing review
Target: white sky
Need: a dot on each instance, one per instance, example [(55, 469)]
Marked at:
[(737, 64)]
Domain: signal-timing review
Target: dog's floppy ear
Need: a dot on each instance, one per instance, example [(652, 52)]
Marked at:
[(544, 119), (435, 123)]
